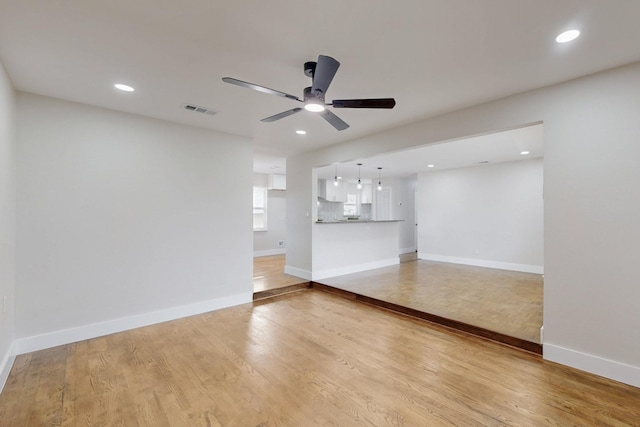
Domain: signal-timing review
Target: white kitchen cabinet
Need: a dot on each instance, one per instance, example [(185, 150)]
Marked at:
[(277, 181), (335, 193), (365, 195), (330, 192)]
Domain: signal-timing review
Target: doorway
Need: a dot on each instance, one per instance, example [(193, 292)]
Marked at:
[(480, 216)]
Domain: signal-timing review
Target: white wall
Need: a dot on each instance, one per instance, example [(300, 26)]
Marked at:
[(125, 220), (489, 215), (266, 242), (302, 202), (403, 199), (591, 207), (402, 208), (7, 224)]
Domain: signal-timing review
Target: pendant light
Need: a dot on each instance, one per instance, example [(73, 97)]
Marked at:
[(335, 178), (359, 182), (379, 181)]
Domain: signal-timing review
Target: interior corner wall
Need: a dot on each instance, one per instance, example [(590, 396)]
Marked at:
[(266, 242), (488, 215), (301, 202), (402, 209), (7, 224), (591, 207), (124, 221)]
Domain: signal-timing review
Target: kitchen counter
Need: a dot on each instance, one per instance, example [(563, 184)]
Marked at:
[(345, 221), (364, 245)]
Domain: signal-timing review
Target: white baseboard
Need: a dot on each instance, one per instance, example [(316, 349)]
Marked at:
[(407, 250), (66, 336), (596, 365), (525, 268), (7, 364), (298, 272), (269, 252), (356, 268)]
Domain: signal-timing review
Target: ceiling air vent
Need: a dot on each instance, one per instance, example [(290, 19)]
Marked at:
[(199, 109)]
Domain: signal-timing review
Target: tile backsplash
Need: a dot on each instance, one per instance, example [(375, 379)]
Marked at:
[(330, 211), (334, 211)]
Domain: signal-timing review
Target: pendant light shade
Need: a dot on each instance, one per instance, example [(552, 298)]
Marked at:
[(335, 178), (359, 182), (379, 181)]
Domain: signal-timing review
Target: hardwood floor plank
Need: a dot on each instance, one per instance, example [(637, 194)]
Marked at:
[(504, 306), (307, 358), (505, 302), (367, 368), (268, 274)]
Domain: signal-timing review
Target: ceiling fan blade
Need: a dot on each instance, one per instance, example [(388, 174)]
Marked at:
[(281, 115), (326, 68), (258, 88), (364, 103), (334, 120)]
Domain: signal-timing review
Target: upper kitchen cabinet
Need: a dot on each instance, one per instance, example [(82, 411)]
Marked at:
[(277, 182), (335, 193), (366, 195), (330, 192)]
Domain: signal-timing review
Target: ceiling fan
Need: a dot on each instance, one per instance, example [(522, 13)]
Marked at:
[(321, 73)]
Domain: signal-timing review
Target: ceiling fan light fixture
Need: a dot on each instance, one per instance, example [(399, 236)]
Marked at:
[(313, 107), (567, 36), (123, 87)]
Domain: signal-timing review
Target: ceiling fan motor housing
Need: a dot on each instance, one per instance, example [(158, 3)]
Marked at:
[(309, 68), (308, 95)]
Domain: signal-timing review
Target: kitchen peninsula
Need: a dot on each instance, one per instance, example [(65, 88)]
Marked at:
[(349, 246), (354, 221), (353, 229)]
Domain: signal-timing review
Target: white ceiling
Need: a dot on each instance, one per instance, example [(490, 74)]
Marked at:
[(433, 56), (493, 148)]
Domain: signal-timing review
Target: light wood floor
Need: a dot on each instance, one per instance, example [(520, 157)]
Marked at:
[(268, 274), (507, 302), (304, 359)]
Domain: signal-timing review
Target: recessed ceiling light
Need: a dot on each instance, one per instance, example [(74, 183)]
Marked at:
[(567, 36), (301, 132), (524, 153), (123, 87), (430, 166)]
